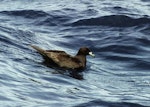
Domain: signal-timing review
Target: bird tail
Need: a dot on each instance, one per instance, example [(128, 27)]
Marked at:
[(39, 50)]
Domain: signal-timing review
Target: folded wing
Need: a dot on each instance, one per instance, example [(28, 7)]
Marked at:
[(62, 59)]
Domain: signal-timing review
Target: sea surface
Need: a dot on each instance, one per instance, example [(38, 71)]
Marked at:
[(117, 31)]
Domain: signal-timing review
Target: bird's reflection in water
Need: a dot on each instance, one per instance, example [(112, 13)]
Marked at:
[(77, 74)]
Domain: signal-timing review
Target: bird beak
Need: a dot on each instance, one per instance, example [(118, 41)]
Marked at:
[(90, 53)]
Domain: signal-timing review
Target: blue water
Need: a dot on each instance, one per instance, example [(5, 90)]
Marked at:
[(118, 33)]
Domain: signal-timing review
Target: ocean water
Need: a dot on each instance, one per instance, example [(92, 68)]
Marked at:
[(118, 33)]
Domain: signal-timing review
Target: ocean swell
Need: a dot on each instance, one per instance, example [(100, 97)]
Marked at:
[(109, 104), (31, 14), (113, 20)]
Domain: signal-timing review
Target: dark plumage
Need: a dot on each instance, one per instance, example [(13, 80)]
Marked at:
[(64, 60)]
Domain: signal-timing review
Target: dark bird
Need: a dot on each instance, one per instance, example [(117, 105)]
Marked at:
[(63, 60)]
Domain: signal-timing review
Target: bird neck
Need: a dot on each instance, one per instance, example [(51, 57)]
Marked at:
[(82, 58)]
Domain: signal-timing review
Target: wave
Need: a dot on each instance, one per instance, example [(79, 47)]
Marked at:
[(39, 17), (113, 20), (109, 104), (145, 0), (32, 14), (12, 38), (53, 20)]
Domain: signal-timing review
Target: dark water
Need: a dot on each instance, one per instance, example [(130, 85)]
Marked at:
[(118, 32)]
